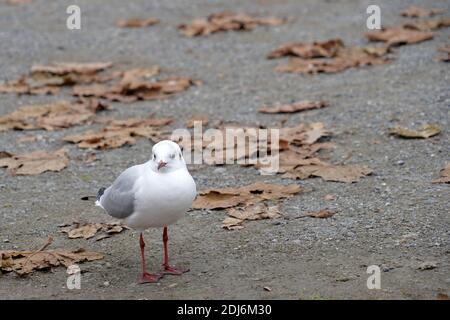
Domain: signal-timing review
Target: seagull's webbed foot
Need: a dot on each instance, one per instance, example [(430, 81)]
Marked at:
[(166, 269), (147, 277)]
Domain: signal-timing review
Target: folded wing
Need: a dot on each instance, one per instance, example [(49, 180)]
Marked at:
[(118, 200)]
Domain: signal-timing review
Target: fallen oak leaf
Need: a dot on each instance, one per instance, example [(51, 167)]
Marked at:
[(35, 162), (295, 107), (427, 131), (137, 23)]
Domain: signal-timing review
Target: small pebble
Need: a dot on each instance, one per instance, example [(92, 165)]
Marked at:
[(6, 240), (400, 162), (106, 283)]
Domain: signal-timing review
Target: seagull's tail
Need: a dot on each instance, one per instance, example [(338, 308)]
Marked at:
[(96, 198)]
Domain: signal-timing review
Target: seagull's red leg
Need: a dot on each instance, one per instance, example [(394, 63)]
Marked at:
[(167, 269), (146, 276)]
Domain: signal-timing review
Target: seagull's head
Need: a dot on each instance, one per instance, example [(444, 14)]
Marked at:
[(166, 157)]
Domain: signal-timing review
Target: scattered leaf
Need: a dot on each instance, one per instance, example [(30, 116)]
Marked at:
[(226, 21), (426, 25), (445, 175), (396, 36), (295, 107), (330, 197), (420, 12), (325, 49), (52, 116), (46, 79), (337, 173), (328, 57), (120, 132), (259, 211), (427, 131), (137, 89), (25, 262), (35, 162), (253, 193), (137, 23), (89, 230)]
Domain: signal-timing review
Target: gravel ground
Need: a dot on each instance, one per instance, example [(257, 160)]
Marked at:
[(396, 218)]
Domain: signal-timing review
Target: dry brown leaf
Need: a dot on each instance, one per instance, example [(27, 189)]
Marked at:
[(427, 131), (396, 36), (137, 89), (322, 214), (46, 79), (253, 193), (52, 116), (25, 262), (120, 132), (63, 68), (89, 230), (338, 173), (345, 58), (226, 21), (259, 211), (426, 25), (330, 197), (295, 107), (445, 175), (420, 12), (137, 23), (325, 49), (35, 162)]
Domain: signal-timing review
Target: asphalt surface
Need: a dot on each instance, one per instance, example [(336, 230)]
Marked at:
[(396, 218)]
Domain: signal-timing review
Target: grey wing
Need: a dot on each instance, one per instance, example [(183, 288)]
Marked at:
[(118, 200)]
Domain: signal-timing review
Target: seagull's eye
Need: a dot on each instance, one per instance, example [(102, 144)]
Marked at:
[(172, 156), (154, 156)]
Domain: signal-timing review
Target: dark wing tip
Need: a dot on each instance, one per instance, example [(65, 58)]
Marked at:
[(100, 192)]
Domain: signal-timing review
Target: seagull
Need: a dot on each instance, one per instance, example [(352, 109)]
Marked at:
[(154, 194)]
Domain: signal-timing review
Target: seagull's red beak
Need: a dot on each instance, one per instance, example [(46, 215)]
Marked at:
[(161, 164)]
